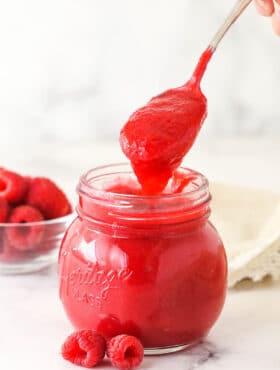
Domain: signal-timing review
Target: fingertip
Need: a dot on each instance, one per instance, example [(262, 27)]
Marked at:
[(276, 22), (264, 7)]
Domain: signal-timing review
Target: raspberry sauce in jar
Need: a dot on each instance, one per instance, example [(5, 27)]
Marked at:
[(149, 266)]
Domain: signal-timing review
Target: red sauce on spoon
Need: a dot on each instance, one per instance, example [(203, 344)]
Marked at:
[(158, 136)]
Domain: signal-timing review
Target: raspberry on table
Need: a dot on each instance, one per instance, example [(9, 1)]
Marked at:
[(4, 210), (45, 195), (125, 351), (109, 327), (21, 236), (130, 328), (84, 348), (12, 186)]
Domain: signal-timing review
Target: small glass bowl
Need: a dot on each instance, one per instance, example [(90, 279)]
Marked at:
[(29, 247)]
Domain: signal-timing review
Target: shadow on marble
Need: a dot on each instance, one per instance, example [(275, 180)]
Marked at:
[(146, 364), (192, 357)]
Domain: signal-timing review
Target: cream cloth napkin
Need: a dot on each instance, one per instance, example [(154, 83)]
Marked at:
[(248, 221)]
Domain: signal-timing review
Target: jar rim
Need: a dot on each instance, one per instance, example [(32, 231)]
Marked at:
[(87, 188), (105, 210)]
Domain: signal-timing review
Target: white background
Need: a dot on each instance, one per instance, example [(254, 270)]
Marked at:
[(73, 70)]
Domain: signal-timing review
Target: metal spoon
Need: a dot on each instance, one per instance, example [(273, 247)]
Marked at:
[(158, 136), (237, 10)]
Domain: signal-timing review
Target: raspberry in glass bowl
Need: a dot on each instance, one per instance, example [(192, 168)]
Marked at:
[(34, 214)]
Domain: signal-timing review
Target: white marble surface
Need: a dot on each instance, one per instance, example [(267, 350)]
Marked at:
[(33, 326), (247, 335), (72, 70)]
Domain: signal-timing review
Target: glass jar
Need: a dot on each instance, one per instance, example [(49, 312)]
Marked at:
[(149, 266), (31, 246)]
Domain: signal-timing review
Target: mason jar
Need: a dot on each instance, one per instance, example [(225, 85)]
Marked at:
[(149, 266)]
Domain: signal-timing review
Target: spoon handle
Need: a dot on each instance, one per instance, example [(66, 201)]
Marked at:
[(237, 10)]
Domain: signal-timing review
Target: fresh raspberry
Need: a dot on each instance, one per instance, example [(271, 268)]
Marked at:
[(4, 210), (84, 348), (23, 236), (109, 326), (130, 328), (48, 198), (125, 351), (24, 214), (12, 186), (28, 180)]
